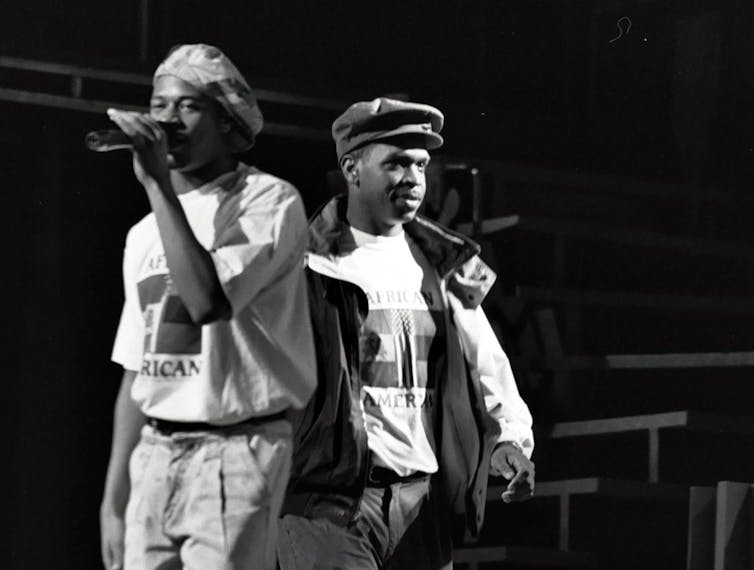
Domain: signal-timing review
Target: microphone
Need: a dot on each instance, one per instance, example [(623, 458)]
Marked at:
[(107, 140), (114, 139)]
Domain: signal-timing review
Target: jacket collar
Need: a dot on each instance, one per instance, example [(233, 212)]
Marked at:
[(444, 248)]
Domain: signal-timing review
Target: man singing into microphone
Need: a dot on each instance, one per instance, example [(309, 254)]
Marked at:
[(211, 339)]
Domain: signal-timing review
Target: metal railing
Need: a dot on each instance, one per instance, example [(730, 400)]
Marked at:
[(26, 90)]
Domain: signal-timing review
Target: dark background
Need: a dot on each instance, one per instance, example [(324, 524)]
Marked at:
[(532, 83)]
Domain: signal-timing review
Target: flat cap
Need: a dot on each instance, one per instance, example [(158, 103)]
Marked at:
[(371, 121)]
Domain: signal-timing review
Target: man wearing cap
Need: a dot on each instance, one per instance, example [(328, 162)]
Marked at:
[(210, 338), (416, 401)]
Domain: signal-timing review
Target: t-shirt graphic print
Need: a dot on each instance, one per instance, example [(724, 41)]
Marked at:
[(168, 330), (256, 362), (402, 348)]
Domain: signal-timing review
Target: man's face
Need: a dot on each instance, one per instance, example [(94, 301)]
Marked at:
[(391, 184), (197, 140)]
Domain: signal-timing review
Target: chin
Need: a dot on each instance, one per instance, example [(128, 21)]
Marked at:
[(405, 217), (185, 167), (406, 213), (176, 162)]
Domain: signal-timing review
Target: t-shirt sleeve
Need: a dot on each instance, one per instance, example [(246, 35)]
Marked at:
[(129, 339), (267, 240)]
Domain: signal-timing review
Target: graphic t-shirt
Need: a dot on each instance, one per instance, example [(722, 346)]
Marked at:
[(258, 362), (402, 347)]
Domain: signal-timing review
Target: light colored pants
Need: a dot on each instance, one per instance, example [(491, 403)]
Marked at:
[(384, 516), (207, 500)]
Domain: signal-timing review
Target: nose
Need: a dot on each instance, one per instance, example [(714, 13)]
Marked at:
[(413, 175), (167, 114)]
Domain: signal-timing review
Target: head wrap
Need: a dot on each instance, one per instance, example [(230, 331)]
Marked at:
[(211, 72)]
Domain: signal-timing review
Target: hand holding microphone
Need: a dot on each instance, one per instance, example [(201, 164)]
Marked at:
[(148, 139), (105, 140)]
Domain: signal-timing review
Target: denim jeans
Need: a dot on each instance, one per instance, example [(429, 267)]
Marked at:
[(207, 500), (370, 540)]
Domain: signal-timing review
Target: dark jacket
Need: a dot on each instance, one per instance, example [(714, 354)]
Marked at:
[(331, 456)]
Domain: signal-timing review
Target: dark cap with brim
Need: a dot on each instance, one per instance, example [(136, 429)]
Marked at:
[(366, 122)]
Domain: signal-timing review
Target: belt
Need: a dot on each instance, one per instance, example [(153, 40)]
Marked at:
[(383, 477), (169, 426)]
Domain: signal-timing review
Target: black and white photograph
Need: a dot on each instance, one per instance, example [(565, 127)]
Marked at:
[(378, 286)]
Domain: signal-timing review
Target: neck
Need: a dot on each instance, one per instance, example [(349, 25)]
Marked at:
[(186, 181), (362, 220)]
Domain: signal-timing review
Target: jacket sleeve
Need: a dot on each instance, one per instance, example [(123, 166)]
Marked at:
[(491, 367)]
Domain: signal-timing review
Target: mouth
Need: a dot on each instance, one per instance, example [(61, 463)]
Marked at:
[(408, 196), (177, 141)]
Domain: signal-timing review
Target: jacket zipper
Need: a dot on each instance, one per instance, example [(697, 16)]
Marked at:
[(350, 300)]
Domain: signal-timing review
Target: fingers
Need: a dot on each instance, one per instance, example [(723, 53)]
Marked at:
[(520, 492), (114, 560), (513, 466), (138, 126), (518, 469), (112, 542), (108, 556), (150, 147), (520, 481), (520, 488), (117, 561), (500, 464)]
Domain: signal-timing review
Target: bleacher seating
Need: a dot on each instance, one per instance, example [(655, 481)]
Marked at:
[(633, 343)]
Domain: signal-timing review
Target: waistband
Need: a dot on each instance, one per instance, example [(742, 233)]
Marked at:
[(384, 477), (167, 427)]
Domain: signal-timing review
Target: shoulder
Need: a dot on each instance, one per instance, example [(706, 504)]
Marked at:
[(142, 230), (270, 205), (471, 282), (264, 188)]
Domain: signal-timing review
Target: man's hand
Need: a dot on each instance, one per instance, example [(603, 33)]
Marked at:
[(509, 462), (112, 531), (149, 144)]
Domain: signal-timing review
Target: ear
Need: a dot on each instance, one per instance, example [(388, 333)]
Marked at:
[(349, 166), (222, 118), (225, 124)]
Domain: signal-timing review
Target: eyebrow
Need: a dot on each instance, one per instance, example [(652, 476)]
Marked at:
[(178, 99), (402, 156)]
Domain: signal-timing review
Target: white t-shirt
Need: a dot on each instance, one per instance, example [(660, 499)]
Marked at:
[(262, 359), (402, 346)]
